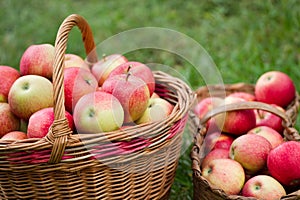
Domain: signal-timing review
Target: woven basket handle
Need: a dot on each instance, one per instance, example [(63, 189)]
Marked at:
[(287, 122), (60, 131)]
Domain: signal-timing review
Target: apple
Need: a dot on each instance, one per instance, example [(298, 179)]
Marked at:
[(155, 95), (137, 69), (214, 154), (275, 87), (156, 110), (38, 59), (284, 162), (225, 174), (8, 121), (251, 151), (15, 135), (77, 82), (218, 140), (29, 94), (103, 67), (270, 134), (8, 76), (40, 122), (131, 91), (73, 60), (244, 95), (263, 187), (98, 112), (207, 104), (265, 118), (236, 122)]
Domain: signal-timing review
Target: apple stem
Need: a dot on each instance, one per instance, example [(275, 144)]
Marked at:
[(104, 56), (128, 74), (128, 69), (260, 114)]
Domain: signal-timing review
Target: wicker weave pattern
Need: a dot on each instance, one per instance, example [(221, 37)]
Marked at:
[(137, 162), (202, 189)]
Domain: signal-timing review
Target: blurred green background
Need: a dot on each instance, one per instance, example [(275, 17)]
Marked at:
[(244, 38)]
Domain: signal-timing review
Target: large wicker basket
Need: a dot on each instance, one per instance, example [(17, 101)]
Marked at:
[(202, 189), (138, 162)]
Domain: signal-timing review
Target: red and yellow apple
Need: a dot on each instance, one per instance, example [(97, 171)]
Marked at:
[(263, 187), (131, 91), (15, 135), (8, 121), (8, 76), (40, 122), (73, 60), (98, 112), (38, 59), (251, 151), (29, 94), (275, 87), (225, 174), (213, 155), (77, 83), (244, 95)]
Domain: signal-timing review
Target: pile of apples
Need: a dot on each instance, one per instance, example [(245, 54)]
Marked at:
[(245, 152), (111, 94)]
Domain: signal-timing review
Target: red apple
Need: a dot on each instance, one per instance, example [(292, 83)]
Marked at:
[(244, 95), (157, 109), (284, 163), (265, 118), (131, 91), (214, 154), (73, 60), (251, 151), (275, 87), (8, 76), (77, 82), (263, 187), (225, 174), (29, 94), (103, 67), (236, 122), (8, 121), (270, 134), (40, 122), (139, 70), (15, 135), (98, 112), (38, 60), (155, 95)]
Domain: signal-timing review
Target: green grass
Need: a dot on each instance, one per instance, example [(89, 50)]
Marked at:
[(244, 38)]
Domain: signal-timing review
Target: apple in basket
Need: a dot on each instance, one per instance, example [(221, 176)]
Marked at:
[(103, 67), (40, 122), (270, 134), (218, 140), (73, 60), (207, 104), (251, 151), (275, 87), (98, 112), (29, 94), (139, 70), (213, 155), (8, 121), (263, 187), (131, 91), (15, 135), (225, 174), (77, 82), (157, 109), (284, 163), (38, 59), (236, 122), (265, 118), (8, 76)]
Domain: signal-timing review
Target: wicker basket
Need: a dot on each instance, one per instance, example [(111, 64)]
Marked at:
[(202, 189), (138, 162)]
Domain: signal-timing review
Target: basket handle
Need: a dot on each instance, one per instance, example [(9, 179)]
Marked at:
[(289, 131), (60, 130)]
